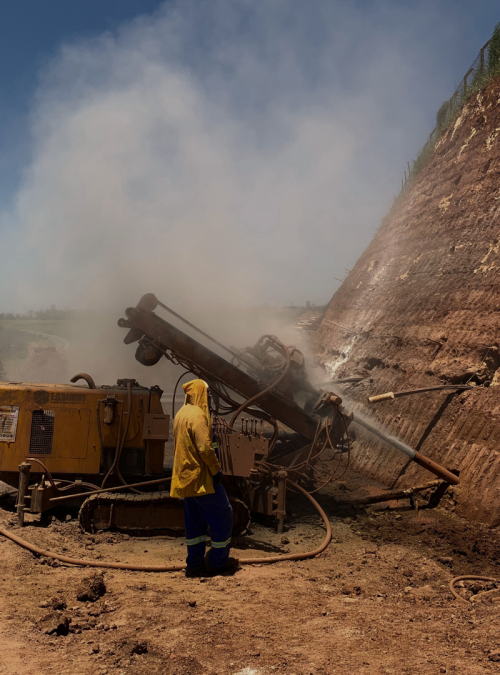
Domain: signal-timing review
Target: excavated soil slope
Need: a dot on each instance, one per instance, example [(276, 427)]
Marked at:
[(424, 303)]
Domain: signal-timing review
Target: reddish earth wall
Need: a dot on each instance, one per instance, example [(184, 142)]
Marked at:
[(425, 296)]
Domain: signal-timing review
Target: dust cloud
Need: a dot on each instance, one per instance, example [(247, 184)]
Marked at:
[(219, 154)]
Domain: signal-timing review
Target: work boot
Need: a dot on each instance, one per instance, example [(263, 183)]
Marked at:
[(231, 564), (198, 571)]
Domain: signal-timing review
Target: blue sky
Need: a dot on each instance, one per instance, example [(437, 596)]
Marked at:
[(278, 129), (31, 32)]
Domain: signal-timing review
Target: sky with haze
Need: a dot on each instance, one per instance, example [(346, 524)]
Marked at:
[(212, 152)]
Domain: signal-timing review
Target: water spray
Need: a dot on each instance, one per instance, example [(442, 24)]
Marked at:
[(407, 450)]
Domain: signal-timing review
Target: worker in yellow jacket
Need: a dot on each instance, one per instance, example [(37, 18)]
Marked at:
[(196, 479)]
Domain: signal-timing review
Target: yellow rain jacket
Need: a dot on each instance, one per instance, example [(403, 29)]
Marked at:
[(195, 461)]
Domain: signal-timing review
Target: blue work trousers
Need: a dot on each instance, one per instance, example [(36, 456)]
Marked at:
[(201, 513)]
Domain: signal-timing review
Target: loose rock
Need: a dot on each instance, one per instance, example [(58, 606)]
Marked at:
[(92, 588), (54, 623)]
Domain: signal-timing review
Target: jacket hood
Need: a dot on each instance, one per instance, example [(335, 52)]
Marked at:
[(196, 394)]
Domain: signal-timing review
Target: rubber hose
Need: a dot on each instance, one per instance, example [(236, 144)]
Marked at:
[(175, 392), (298, 556), (191, 325), (119, 450), (49, 475), (288, 356), (467, 577), (118, 443), (124, 440), (84, 376), (179, 566)]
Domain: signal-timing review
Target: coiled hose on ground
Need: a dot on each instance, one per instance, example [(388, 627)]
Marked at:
[(467, 577), (179, 566)]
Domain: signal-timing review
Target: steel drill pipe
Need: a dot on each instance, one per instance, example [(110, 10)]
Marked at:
[(412, 454), (389, 496), (390, 395)]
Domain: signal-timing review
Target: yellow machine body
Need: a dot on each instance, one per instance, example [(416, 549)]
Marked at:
[(74, 430)]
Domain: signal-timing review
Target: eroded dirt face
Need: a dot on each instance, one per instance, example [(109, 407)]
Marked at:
[(421, 309), (377, 601)]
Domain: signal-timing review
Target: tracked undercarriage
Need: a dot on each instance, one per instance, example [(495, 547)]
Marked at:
[(149, 514)]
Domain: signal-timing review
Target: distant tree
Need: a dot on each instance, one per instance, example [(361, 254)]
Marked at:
[(494, 55), (44, 314)]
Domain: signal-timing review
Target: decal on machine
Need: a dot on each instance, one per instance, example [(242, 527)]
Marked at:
[(9, 415), (42, 397), (63, 397)]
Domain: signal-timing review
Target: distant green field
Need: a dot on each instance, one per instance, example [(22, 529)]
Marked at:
[(62, 328), (17, 334)]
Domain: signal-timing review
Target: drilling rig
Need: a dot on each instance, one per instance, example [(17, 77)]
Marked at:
[(102, 448)]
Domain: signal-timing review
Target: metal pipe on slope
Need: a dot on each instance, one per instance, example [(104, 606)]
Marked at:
[(390, 395), (412, 454)]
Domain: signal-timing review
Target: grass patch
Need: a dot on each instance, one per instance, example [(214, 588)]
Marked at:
[(451, 109)]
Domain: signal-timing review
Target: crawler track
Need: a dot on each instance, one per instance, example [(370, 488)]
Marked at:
[(147, 514)]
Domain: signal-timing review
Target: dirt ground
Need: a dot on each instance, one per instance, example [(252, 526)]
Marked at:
[(376, 601)]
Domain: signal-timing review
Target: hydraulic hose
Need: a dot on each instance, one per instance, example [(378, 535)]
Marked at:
[(124, 438), (84, 376), (191, 325), (51, 480), (88, 563), (250, 401), (119, 488), (118, 444), (179, 566), (186, 372), (121, 443), (298, 556)]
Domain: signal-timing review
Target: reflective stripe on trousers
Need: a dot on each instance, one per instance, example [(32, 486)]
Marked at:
[(200, 513)]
